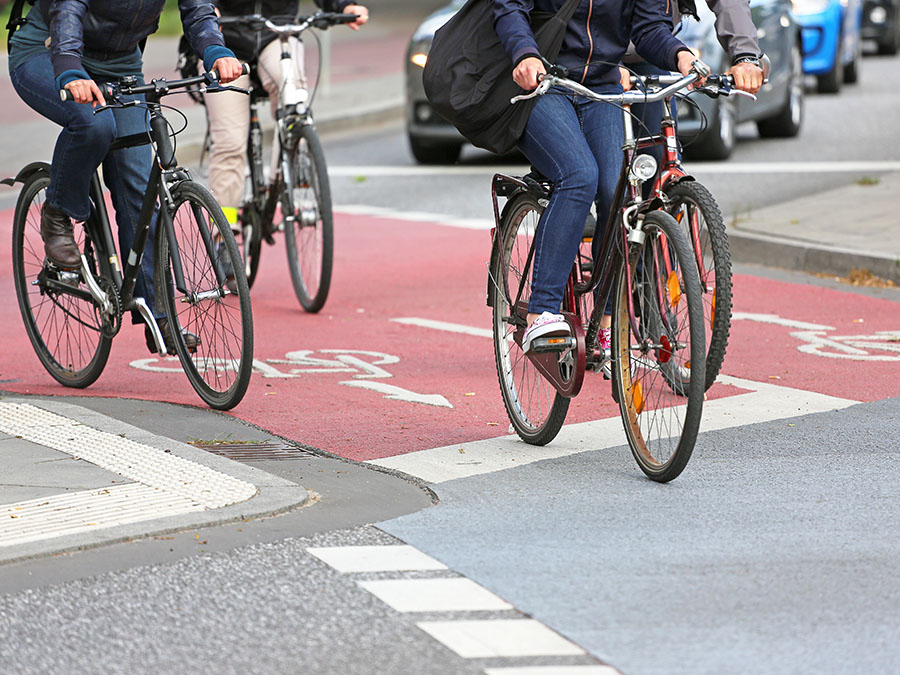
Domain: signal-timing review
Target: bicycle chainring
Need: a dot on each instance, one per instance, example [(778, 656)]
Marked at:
[(111, 323)]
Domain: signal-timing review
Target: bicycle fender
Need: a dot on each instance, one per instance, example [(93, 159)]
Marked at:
[(26, 172)]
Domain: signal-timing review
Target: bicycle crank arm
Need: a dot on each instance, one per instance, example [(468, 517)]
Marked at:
[(144, 310), (96, 292)]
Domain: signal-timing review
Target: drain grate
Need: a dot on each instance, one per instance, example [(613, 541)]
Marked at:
[(255, 452)]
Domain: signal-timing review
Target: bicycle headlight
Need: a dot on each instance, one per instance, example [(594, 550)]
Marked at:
[(643, 168)]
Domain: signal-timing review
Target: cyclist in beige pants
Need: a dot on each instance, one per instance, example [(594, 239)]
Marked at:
[(229, 112)]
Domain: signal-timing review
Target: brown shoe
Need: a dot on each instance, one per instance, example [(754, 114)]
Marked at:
[(59, 240), (191, 341)]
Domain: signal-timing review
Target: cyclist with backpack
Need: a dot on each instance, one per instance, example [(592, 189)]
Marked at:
[(229, 113), (572, 141), (78, 46)]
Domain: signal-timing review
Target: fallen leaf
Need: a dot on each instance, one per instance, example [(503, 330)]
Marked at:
[(470, 393), (774, 377), (461, 451), (492, 424)]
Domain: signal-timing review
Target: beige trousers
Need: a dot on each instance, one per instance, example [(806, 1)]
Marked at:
[(229, 124)]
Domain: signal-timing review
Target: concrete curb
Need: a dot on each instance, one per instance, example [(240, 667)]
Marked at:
[(274, 495), (803, 256)]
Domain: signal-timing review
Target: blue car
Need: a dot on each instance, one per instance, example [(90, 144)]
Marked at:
[(832, 41)]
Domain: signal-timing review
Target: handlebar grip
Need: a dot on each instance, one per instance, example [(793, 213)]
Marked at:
[(66, 95)]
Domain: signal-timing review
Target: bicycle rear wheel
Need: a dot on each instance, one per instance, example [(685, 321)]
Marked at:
[(537, 411), (219, 368), (65, 329), (308, 223), (696, 210), (660, 395)]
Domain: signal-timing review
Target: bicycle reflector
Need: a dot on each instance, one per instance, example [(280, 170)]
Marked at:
[(643, 168)]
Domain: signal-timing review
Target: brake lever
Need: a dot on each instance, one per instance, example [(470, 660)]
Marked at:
[(118, 104), (546, 82), (218, 88)]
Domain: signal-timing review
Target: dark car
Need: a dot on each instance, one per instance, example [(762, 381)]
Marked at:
[(881, 22), (780, 105), (432, 139)]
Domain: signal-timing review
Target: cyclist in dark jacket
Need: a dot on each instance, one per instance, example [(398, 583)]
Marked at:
[(575, 142), (90, 43)]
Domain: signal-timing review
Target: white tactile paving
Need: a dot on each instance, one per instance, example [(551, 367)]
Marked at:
[(493, 638), (435, 595), (165, 484), (87, 510), (352, 559)]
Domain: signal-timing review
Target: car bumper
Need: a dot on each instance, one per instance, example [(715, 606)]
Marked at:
[(820, 34)]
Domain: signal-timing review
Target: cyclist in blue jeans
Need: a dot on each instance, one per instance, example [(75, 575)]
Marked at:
[(574, 142), (78, 45)]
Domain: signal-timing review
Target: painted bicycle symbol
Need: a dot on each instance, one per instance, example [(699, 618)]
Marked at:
[(365, 366), (817, 340)]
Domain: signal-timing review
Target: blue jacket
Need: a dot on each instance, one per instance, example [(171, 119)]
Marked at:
[(107, 29), (597, 36)]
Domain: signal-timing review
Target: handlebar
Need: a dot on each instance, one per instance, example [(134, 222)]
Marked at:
[(662, 87), (320, 20), (158, 87)]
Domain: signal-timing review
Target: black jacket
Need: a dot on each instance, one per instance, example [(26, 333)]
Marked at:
[(247, 44), (598, 34), (105, 29)]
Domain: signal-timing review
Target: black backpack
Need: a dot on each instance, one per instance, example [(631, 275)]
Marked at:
[(468, 76), (16, 20)]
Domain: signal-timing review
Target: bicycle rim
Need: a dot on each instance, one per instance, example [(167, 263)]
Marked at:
[(309, 229), (219, 368), (64, 329), (535, 409), (660, 396), (696, 210)]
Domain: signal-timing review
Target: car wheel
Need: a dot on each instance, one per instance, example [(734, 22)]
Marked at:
[(787, 122), (851, 70), (890, 44), (434, 152), (830, 82), (719, 139)]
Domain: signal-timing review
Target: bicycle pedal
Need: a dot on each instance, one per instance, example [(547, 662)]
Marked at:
[(552, 344)]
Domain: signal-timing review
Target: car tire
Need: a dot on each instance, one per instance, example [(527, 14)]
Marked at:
[(890, 44), (788, 121), (720, 137), (830, 82), (434, 152)]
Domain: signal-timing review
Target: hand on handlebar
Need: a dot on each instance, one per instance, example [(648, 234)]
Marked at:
[(528, 73), (228, 69), (362, 15), (688, 63), (85, 91), (747, 77)]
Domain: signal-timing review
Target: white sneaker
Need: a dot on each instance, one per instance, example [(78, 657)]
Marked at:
[(545, 325)]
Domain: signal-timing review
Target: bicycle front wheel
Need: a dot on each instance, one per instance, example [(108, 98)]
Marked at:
[(63, 324), (537, 411), (220, 364), (658, 371), (696, 211), (308, 222)]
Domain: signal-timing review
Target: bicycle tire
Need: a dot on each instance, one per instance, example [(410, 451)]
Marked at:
[(310, 233), (251, 249), (660, 428), (64, 330), (219, 369), (689, 200), (535, 409)]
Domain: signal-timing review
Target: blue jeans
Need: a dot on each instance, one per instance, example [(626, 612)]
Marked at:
[(577, 144), (82, 146)]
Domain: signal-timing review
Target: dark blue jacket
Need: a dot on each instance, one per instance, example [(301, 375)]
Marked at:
[(598, 34), (107, 29)]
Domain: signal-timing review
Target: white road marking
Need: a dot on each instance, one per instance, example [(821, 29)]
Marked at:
[(416, 216), (778, 321), (446, 326), (553, 670), (86, 511), (763, 403), (399, 394), (352, 559), (435, 595), (841, 166), (499, 638)]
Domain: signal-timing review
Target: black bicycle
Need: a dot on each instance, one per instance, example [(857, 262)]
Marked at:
[(300, 185), (72, 316)]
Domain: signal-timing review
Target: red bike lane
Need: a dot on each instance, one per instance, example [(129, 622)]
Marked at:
[(354, 381)]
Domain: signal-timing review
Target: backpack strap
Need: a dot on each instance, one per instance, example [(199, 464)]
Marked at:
[(16, 20)]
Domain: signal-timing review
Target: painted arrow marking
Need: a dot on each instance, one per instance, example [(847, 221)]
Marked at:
[(400, 394)]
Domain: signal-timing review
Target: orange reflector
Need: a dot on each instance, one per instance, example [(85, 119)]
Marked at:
[(674, 289), (637, 396), (555, 341), (712, 314)]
